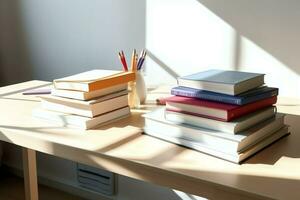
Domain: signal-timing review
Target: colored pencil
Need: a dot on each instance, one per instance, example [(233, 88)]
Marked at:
[(142, 60), (133, 64), (124, 60)]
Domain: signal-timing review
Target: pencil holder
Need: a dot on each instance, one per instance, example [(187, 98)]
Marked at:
[(141, 89), (137, 91)]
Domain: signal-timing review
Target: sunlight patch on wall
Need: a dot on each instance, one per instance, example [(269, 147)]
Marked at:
[(255, 59), (187, 37)]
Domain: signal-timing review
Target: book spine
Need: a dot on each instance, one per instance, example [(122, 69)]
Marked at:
[(197, 114), (259, 97), (242, 110), (210, 97)]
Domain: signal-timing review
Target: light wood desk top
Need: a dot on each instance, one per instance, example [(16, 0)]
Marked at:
[(121, 148)]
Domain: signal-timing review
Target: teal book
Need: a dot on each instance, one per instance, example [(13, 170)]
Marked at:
[(222, 81)]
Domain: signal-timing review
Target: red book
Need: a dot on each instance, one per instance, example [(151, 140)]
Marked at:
[(215, 110)]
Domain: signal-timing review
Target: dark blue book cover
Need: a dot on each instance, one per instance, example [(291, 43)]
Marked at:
[(241, 99)]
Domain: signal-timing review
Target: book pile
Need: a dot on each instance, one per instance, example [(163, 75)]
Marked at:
[(88, 99), (227, 114)]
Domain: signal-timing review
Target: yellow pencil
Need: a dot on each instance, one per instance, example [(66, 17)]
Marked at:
[(132, 61), (133, 68), (136, 61)]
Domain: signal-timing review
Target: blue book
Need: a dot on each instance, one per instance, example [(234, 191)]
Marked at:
[(241, 99), (222, 81)]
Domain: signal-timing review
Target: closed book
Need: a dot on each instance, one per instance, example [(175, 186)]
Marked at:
[(94, 80), (215, 110), (217, 140), (240, 99), (236, 157), (89, 108), (80, 95), (222, 81), (69, 120), (233, 127)]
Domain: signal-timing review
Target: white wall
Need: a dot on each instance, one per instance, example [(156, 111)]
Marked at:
[(53, 38), (192, 35)]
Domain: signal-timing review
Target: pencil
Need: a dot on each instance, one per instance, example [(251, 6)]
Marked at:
[(136, 61), (120, 57), (133, 65), (124, 60), (140, 59)]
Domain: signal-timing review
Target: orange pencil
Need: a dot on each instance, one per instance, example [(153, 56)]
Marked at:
[(133, 62), (136, 61)]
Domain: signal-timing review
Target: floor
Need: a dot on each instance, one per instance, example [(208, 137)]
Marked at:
[(12, 188)]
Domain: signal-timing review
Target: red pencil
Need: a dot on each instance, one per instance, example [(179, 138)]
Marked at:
[(124, 60)]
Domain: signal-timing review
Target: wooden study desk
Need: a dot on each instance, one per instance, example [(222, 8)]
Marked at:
[(121, 148)]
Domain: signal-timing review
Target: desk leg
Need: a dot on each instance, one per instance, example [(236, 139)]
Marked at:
[(30, 174)]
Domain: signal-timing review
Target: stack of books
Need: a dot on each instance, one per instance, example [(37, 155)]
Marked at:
[(88, 99), (227, 114)]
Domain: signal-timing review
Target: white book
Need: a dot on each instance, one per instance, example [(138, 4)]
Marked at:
[(234, 126), (220, 141), (236, 157), (76, 121), (93, 80), (89, 108), (80, 95)]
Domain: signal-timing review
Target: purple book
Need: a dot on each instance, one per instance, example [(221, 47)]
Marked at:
[(37, 91), (241, 99)]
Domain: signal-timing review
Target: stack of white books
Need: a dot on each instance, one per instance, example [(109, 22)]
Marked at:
[(227, 114), (87, 100)]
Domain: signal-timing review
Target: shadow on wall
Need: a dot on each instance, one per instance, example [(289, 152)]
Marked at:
[(15, 62), (272, 25)]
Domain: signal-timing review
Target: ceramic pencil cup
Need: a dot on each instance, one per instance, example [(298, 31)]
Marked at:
[(137, 91), (141, 89)]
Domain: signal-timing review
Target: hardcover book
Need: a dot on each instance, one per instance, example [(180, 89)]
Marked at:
[(89, 108), (94, 80), (233, 127), (69, 120), (236, 157), (215, 110), (80, 95), (222, 81), (240, 99), (225, 143)]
